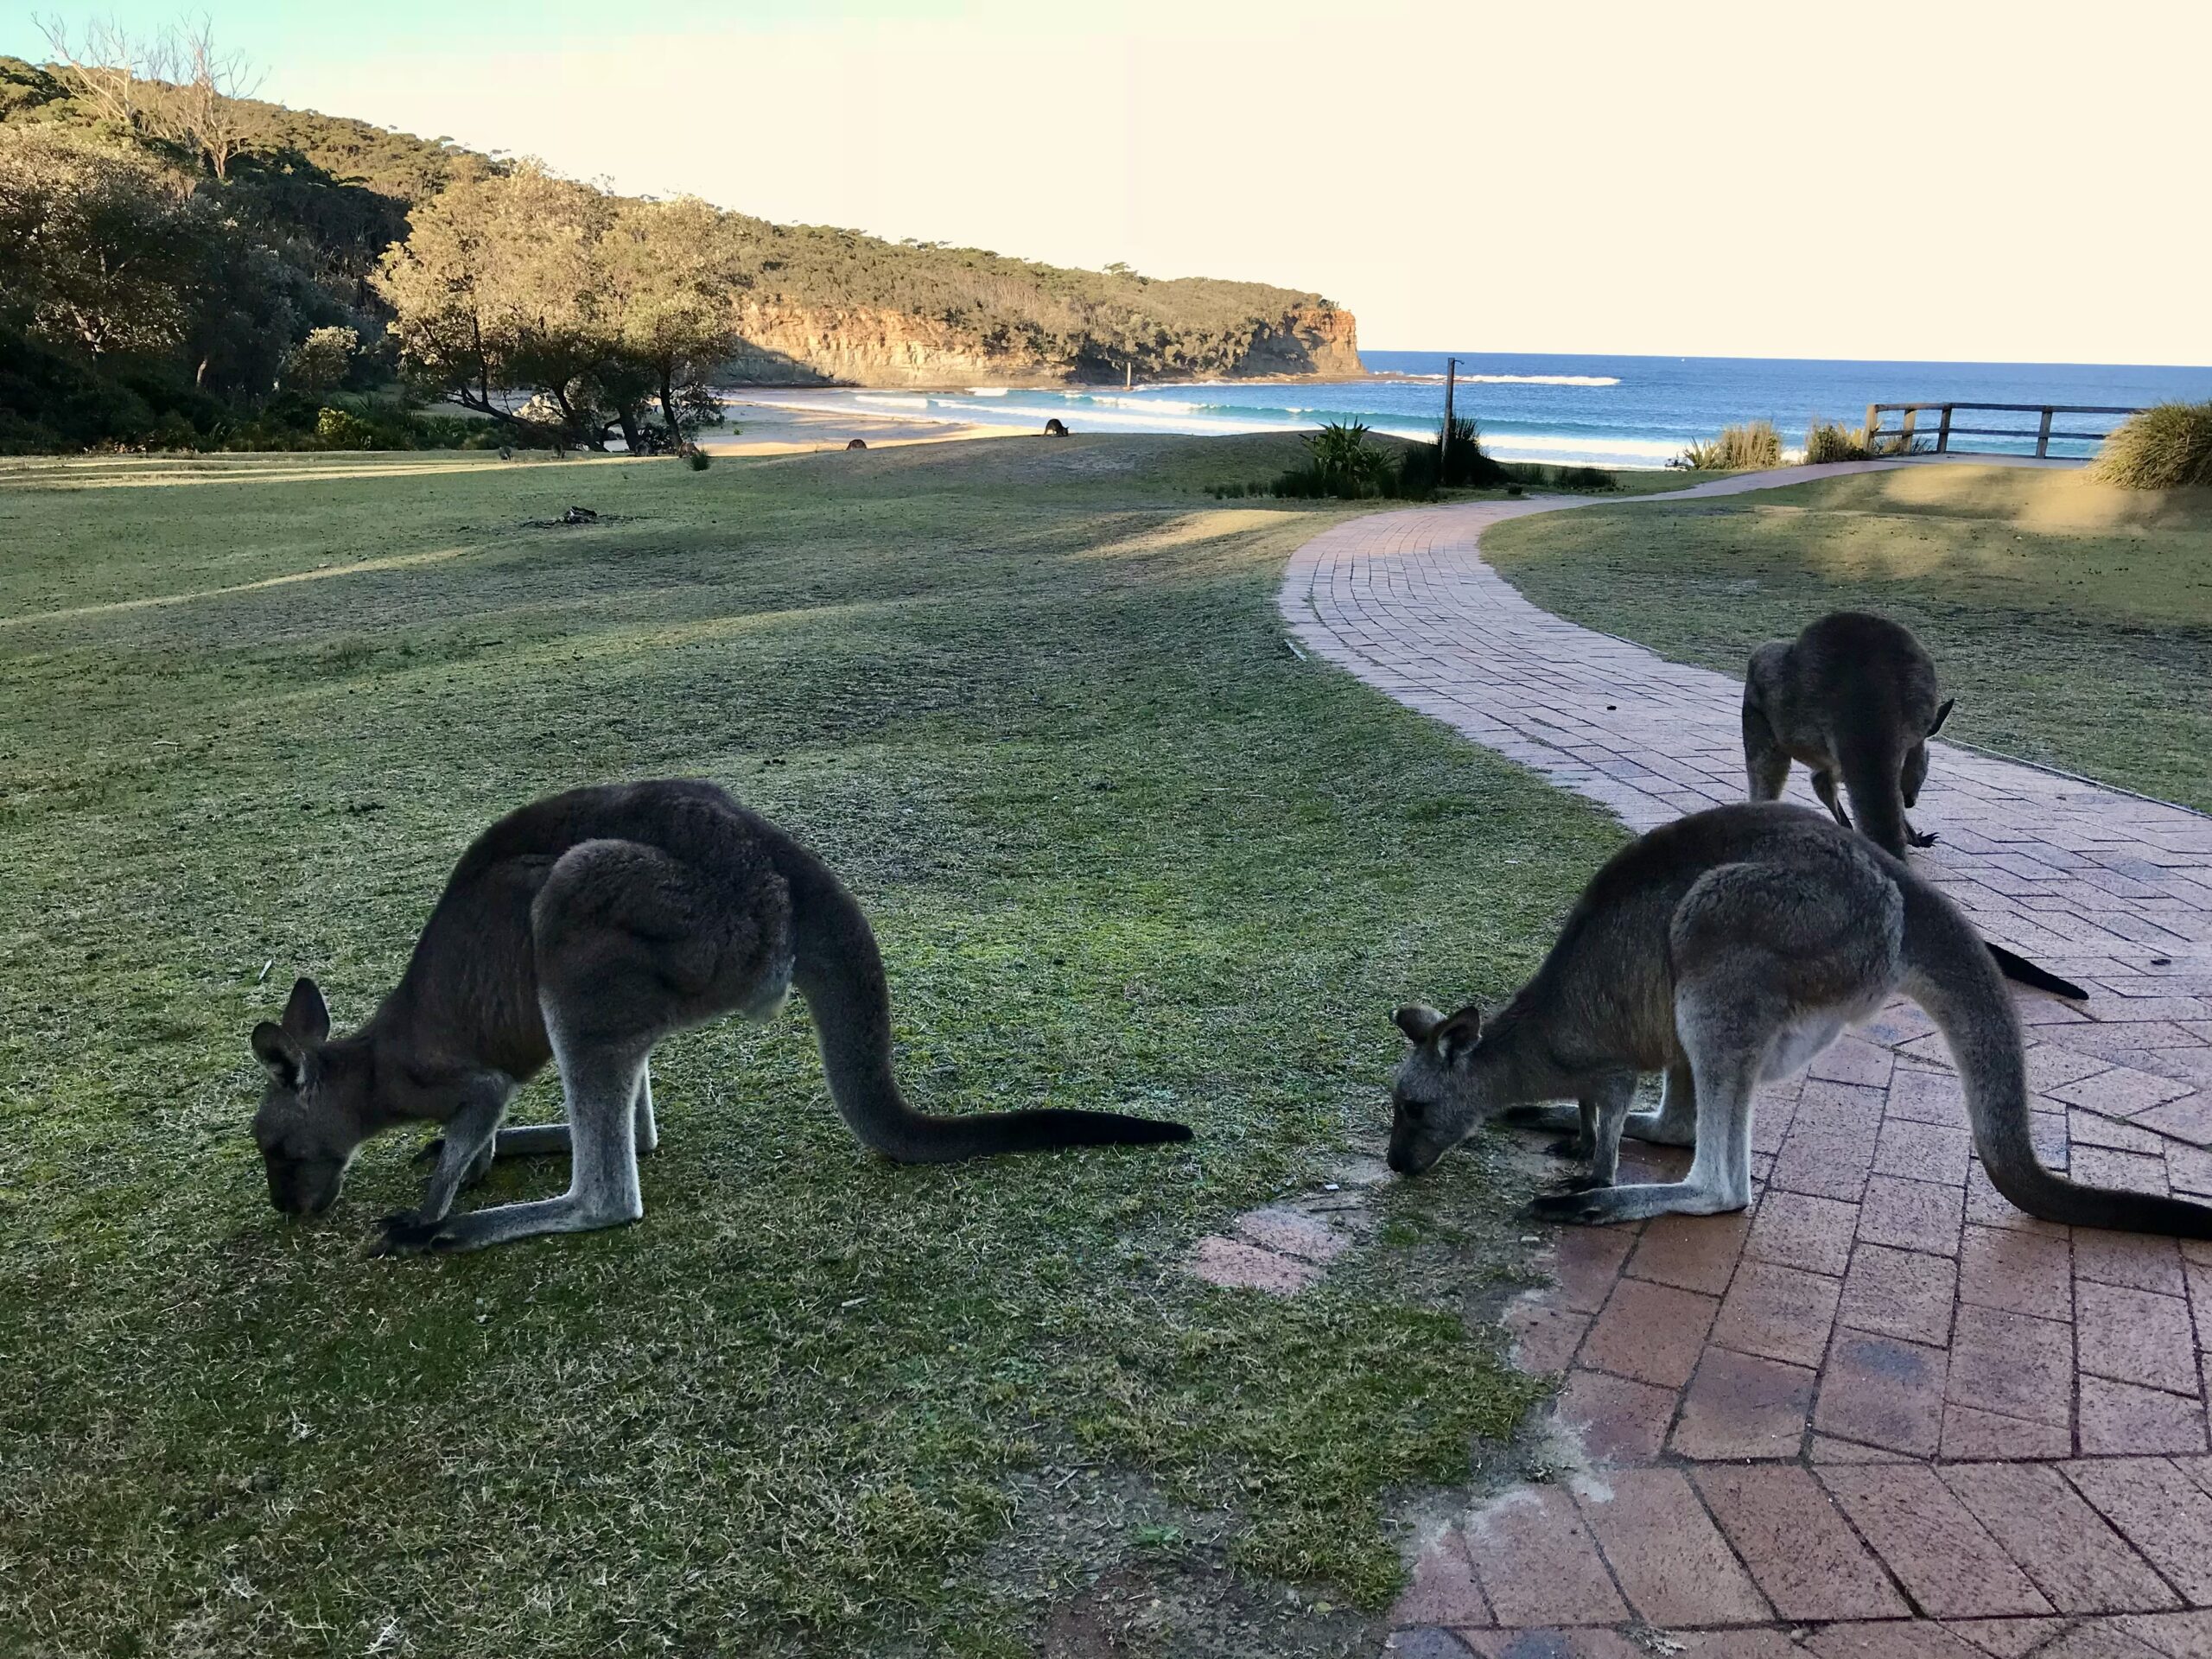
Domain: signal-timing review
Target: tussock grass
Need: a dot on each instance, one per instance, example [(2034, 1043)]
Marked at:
[(1832, 441), (2168, 446), (1123, 850), (1749, 447)]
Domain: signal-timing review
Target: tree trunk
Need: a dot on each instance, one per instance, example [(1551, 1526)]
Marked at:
[(627, 418), (668, 411)]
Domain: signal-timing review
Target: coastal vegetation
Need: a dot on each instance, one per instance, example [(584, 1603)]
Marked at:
[(167, 246), (1345, 462), (1033, 701), (1748, 447), (1832, 441), (2073, 617), (2167, 446)]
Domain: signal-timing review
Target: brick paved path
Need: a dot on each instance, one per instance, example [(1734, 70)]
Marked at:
[(1882, 1412)]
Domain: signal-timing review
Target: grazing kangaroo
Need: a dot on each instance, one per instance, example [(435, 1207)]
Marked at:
[(584, 928), (1725, 950), (1854, 697)]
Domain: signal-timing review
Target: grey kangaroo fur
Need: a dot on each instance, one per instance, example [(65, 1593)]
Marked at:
[(1722, 951), (1854, 698), (584, 928)]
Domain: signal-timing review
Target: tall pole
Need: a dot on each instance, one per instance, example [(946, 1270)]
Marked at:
[(1444, 437)]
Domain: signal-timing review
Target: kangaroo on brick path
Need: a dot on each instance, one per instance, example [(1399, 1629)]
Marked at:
[(1854, 698), (584, 929), (1725, 950)]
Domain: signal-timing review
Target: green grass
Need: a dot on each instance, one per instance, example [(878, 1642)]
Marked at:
[(1122, 849), (2073, 621)]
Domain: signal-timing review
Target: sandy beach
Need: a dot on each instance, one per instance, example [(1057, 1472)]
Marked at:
[(779, 422)]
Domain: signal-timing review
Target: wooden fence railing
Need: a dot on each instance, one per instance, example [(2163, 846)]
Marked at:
[(1902, 435)]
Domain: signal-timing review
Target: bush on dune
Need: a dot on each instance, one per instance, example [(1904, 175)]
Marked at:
[(1830, 441), (1738, 448), (2167, 446), (1342, 463)]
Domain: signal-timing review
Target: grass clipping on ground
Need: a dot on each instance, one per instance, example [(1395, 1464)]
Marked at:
[(1122, 851), (2072, 620)]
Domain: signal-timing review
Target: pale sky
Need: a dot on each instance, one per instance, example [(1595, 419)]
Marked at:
[(1923, 179)]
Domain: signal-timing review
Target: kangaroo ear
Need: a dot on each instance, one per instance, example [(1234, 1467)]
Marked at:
[(1416, 1019), (276, 1048), (1459, 1034), (307, 1017), (1943, 714)]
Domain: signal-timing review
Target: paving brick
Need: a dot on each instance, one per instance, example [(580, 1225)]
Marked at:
[(1910, 1215), (1936, 1097), (1826, 1449), (2052, 1534), (1536, 1564), (1973, 1435), (1650, 1332), (1987, 1207), (1691, 1252), (2005, 1638), (1923, 1152), (2136, 1336), (2124, 1171), (1550, 1644), (1888, 1641), (1667, 1557), (2119, 1092), (1586, 1260), (2159, 1510), (1616, 1419), (2173, 1636), (1443, 1591), (1800, 1550), (1899, 1294), (2099, 1638), (1738, 1406), (1882, 1392), (1797, 1231), (2013, 1365), (1544, 1337), (1925, 1536), (2018, 1272), (2124, 1419), (1778, 1313)]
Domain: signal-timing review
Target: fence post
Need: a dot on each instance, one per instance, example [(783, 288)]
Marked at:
[(1905, 432), (2043, 435), (1873, 419), (1943, 433)]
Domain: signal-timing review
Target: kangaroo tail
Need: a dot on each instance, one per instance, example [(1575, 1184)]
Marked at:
[(1872, 774), (836, 967), (2021, 971), (1950, 973)]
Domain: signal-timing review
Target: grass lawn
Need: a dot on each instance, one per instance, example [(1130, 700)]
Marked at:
[(2073, 621), (1122, 849)]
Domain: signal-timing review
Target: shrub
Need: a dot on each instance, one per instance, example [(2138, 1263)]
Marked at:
[(1465, 466), (695, 459), (1754, 444), (1343, 464), (1826, 441), (2168, 446), (340, 428), (1589, 481)]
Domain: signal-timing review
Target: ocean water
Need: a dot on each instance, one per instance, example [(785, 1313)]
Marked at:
[(1617, 411)]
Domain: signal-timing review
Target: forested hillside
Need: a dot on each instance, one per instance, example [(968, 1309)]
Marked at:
[(181, 267)]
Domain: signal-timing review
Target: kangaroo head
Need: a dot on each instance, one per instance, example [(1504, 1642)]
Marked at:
[(309, 1124), (1915, 758), (1438, 1097)]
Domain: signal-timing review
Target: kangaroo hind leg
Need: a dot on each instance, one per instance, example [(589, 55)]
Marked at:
[(632, 944)]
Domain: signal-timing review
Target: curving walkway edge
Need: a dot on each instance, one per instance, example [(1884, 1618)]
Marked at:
[(1881, 1412)]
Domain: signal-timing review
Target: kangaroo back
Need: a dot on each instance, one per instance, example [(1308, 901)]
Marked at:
[(1950, 973), (836, 967)]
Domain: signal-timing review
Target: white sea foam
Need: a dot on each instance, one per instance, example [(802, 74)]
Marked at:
[(1524, 379), (987, 391)]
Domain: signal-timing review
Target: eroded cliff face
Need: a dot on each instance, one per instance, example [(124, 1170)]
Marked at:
[(788, 345)]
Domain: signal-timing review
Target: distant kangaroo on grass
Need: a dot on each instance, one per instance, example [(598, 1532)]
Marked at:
[(1854, 697), (1723, 951), (584, 928)]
